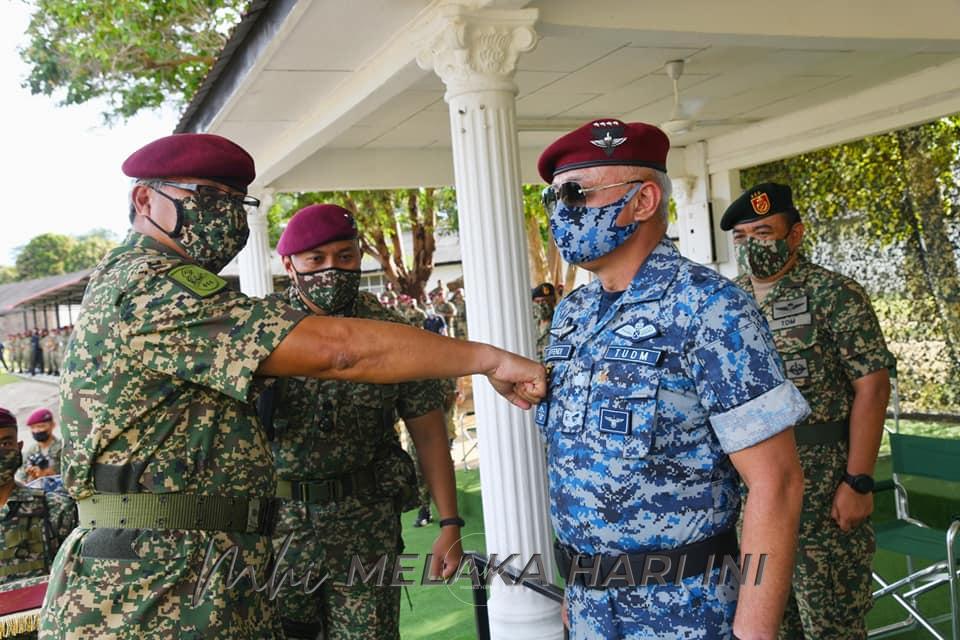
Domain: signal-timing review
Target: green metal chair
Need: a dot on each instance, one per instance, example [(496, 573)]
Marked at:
[(926, 457)]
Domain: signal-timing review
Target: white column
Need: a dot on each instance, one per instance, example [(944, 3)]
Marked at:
[(256, 278), (691, 193), (724, 189), (475, 55)]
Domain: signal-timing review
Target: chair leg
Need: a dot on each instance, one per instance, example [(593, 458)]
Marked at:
[(952, 572)]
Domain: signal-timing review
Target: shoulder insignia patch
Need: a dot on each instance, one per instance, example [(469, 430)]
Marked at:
[(197, 280)]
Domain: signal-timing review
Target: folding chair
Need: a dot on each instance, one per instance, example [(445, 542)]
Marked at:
[(936, 458)]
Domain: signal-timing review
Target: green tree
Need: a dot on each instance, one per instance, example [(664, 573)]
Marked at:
[(7, 274), (44, 255), (136, 54), (88, 250)]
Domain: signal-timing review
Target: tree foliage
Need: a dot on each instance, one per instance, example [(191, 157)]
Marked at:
[(51, 254), (136, 54)]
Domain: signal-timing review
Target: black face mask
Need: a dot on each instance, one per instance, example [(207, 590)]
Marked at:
[(41, 436)]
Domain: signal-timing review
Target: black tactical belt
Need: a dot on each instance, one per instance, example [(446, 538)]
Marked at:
[(329, 490), (178, 511), (822, 432), (648, 567)]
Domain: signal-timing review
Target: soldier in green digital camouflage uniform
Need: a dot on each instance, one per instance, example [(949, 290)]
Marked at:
[(833, 350), (163, 448), (344, 479), (544, 301), (460, 320), (33, 525)]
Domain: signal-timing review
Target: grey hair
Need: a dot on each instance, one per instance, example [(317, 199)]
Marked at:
[(666, 190)]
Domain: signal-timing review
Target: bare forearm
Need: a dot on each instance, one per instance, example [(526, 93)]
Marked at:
[(771, 518), (867, 415), (429, 435), (370, 351)]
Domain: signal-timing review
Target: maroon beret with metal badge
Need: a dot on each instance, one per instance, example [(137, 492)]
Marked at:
[(606, 142), (193, 155), (40, 415), (315, 225)]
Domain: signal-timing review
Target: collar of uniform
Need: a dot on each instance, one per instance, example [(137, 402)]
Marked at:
[(655, 274), (135, 239)]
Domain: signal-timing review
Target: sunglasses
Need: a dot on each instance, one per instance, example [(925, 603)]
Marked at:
[(572, 194)]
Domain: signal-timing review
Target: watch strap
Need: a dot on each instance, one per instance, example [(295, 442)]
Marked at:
[(449, 522)]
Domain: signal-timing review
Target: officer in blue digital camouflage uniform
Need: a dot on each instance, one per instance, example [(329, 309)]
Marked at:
[(665, 389)]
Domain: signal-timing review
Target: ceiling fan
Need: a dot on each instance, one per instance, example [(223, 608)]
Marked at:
[(683, 117)]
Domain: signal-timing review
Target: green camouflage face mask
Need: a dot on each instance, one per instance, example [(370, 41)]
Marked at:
[(211, 229), (762, 258), (332, 290), (10, 461)]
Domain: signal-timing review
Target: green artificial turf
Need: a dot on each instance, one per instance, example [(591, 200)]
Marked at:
[(442, 612)]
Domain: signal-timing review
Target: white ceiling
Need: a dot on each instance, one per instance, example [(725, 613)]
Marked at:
[(575, 73)]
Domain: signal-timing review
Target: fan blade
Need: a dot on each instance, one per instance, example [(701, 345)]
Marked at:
[(690, 107), (727, 122)]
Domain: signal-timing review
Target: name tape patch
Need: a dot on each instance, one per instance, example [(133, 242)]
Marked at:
[(615, 421), (557, 352), (791, 321), (636, 355)]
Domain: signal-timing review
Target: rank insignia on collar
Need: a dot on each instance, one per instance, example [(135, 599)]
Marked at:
[(608, 135), (635, 333), (760, 202), (562, 332)]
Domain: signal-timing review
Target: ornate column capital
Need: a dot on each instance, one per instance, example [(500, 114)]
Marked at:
[(477, 50)]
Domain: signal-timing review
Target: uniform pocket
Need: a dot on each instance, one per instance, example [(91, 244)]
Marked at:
[(801, 352), (623, 407)]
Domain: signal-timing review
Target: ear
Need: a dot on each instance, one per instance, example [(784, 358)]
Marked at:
[(140, 196), (646, 201), (288, 266), (795, 237)]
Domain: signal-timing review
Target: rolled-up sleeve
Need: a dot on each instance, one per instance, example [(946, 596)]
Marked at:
[(738, 373)]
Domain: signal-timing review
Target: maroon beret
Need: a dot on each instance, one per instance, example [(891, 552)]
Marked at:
[(606, 142), (315, 225), (193, 155), (38, 416), (7, 419)]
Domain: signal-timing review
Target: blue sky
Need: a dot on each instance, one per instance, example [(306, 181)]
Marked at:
[(61, 165)]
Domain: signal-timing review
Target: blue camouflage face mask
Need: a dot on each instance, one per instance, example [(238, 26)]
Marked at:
[(585, 233)]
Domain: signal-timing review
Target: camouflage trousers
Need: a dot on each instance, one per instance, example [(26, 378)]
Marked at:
[(148, 584), (691, 611), (327, 540), (831, 592)]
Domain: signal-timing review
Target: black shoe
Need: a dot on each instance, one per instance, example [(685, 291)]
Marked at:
[(423, 517)]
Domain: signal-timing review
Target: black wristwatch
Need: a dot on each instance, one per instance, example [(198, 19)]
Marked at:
[(448, 522), (861, 483)]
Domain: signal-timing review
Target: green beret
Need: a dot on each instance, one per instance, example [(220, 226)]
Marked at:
[(763, 200)]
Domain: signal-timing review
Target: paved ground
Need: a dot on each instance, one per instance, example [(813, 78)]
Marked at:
[(32, 393)]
